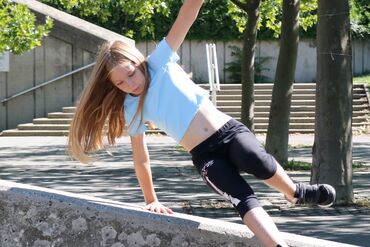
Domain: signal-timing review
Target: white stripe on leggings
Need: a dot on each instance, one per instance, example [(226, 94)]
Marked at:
[(233, 200)]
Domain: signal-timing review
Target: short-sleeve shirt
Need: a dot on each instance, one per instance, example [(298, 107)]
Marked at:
[(172, 100)]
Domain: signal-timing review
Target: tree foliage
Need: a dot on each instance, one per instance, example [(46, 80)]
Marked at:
[(132, 18), (19, 32), (271, 13), (218, 20), (270, 18), (360, 18)]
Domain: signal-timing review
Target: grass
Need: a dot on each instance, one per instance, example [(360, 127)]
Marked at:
[(362, 79), (365, 203), (180, 148), (359, 203), (294, 165), (357, 165), (296, 146)]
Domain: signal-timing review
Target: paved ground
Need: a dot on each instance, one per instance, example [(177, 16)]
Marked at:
[(43, 161)]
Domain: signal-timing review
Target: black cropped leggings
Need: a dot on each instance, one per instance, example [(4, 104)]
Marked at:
[(220, 158)]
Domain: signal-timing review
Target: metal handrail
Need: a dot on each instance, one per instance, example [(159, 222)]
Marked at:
[(47, 82), (213, 77)]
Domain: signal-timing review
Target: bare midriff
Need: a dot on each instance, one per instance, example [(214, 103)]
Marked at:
[(206, 122)]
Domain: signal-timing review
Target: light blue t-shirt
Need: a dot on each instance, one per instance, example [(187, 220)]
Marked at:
[(172, 100)]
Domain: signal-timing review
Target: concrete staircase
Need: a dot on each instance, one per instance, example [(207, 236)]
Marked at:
[(302, 116), (229, 101)]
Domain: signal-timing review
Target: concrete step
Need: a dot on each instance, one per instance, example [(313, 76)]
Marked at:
[(16, 132), (266, 108), (291, 131), (60, 115), (233, 101), (261, 86), (31, 126), (306, 120), (297, 126), (52, 121), (357, 91), (295, 113), (262, 91), (270, 85), (38, 132), (295, 96), (69, 109), (294, 108), (309, 114)]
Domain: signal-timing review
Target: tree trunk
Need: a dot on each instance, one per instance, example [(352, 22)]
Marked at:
[(247, 70), (278, 129), (332, 151)]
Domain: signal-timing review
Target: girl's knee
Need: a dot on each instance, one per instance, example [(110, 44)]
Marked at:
[(250, 157), (267, 168)]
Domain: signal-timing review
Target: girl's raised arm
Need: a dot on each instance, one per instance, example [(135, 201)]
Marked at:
[(185, 19)]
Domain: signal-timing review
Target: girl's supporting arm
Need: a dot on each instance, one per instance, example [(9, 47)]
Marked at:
[(144, 174)]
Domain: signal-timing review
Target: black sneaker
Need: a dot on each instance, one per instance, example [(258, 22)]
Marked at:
[(322, 195)]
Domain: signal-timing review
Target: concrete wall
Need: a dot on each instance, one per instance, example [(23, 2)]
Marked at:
[(38, 217), (71, 44), (193, 58)]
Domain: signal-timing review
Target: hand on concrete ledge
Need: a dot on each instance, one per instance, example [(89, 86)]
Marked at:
[(158, 207)]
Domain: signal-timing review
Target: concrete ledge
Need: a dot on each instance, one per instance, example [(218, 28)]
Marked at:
[(35, 216)]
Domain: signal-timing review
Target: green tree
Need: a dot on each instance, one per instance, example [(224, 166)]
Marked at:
[(19, 32), (251, 8), (277, 138)]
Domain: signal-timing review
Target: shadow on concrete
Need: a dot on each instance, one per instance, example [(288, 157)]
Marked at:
[(179, 186), (343, 226)]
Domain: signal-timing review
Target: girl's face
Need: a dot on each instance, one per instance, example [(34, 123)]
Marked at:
[(128, 78)]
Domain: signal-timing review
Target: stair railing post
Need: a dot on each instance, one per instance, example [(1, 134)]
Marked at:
[(212, 68)]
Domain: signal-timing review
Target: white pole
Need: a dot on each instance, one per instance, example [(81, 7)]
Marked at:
[(216, 67), (209, 66)]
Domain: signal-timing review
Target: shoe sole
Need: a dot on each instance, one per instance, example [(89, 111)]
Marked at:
[(332, 191)]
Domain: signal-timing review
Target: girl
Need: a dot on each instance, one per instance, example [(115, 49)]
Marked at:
[(127, 89)]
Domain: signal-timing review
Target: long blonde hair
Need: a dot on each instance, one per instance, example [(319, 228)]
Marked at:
[(102, 103)]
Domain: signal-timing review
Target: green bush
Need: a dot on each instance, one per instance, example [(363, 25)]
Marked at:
[(234, 67)]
